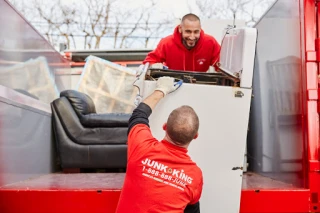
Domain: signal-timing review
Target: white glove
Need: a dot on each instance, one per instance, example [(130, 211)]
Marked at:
[(139, 82), (157, 66), (211, 70), (167, 85), (141, 72)]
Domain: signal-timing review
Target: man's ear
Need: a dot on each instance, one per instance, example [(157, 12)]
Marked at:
[(164, 126), (180, 28), (196, 136)]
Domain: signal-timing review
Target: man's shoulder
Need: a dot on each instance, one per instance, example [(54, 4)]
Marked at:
[(139, 130), (195, 173), (167, 40), (195, 168), (208, 38), (140, 126)]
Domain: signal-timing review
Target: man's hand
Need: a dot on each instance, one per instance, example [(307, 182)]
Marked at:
[(211, 69), (157, 66), (167, 85)]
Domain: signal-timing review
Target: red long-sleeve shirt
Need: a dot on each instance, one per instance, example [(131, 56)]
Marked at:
[(160, 177), (172, 53)]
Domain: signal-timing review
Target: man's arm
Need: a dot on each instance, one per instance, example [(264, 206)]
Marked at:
[(153, 99), (141, 114), (156, 56), (195, 207)]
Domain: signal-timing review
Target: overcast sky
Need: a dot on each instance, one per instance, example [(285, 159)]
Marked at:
[(164, 8), (177, 7)]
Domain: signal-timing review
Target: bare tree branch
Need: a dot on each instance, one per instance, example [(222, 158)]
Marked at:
[(131, 31), (94, 20), (240, 9)]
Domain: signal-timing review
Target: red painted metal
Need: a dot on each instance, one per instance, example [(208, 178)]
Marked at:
[(95, 193), (68, 201), (275, 201), (253, 200), (302, 200), (311, 32), (311, 80), (263, 194), (70, 193)]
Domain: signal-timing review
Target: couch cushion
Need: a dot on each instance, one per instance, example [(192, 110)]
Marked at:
[(105, 120), (81, 102)]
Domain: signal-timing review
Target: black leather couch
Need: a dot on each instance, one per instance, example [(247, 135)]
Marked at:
[(85, 139)]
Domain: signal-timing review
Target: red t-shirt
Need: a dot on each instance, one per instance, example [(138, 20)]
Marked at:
[(161, 177)]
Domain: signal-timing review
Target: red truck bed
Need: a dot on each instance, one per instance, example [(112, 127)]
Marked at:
[(99, 192)]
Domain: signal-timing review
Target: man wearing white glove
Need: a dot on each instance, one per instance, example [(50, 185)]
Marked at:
[(157, 66), (167, 85), (161, 177)]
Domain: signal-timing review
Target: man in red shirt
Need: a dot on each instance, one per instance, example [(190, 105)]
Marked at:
[(188, 49), (161, 177)]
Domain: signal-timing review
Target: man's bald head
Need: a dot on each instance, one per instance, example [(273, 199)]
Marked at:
[(182, 125), (190, 17)]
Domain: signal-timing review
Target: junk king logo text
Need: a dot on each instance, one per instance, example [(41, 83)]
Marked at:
[(160, 167)]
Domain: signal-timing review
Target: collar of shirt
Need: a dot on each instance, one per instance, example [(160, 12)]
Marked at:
[(174, 147)]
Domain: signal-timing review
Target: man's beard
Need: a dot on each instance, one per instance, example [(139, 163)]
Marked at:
[(185, 43)]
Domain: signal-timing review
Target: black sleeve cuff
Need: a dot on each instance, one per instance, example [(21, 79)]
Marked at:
[(145, 108), (194, 208), (140, 115)]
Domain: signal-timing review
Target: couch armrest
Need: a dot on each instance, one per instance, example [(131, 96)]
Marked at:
[(105, 120)]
